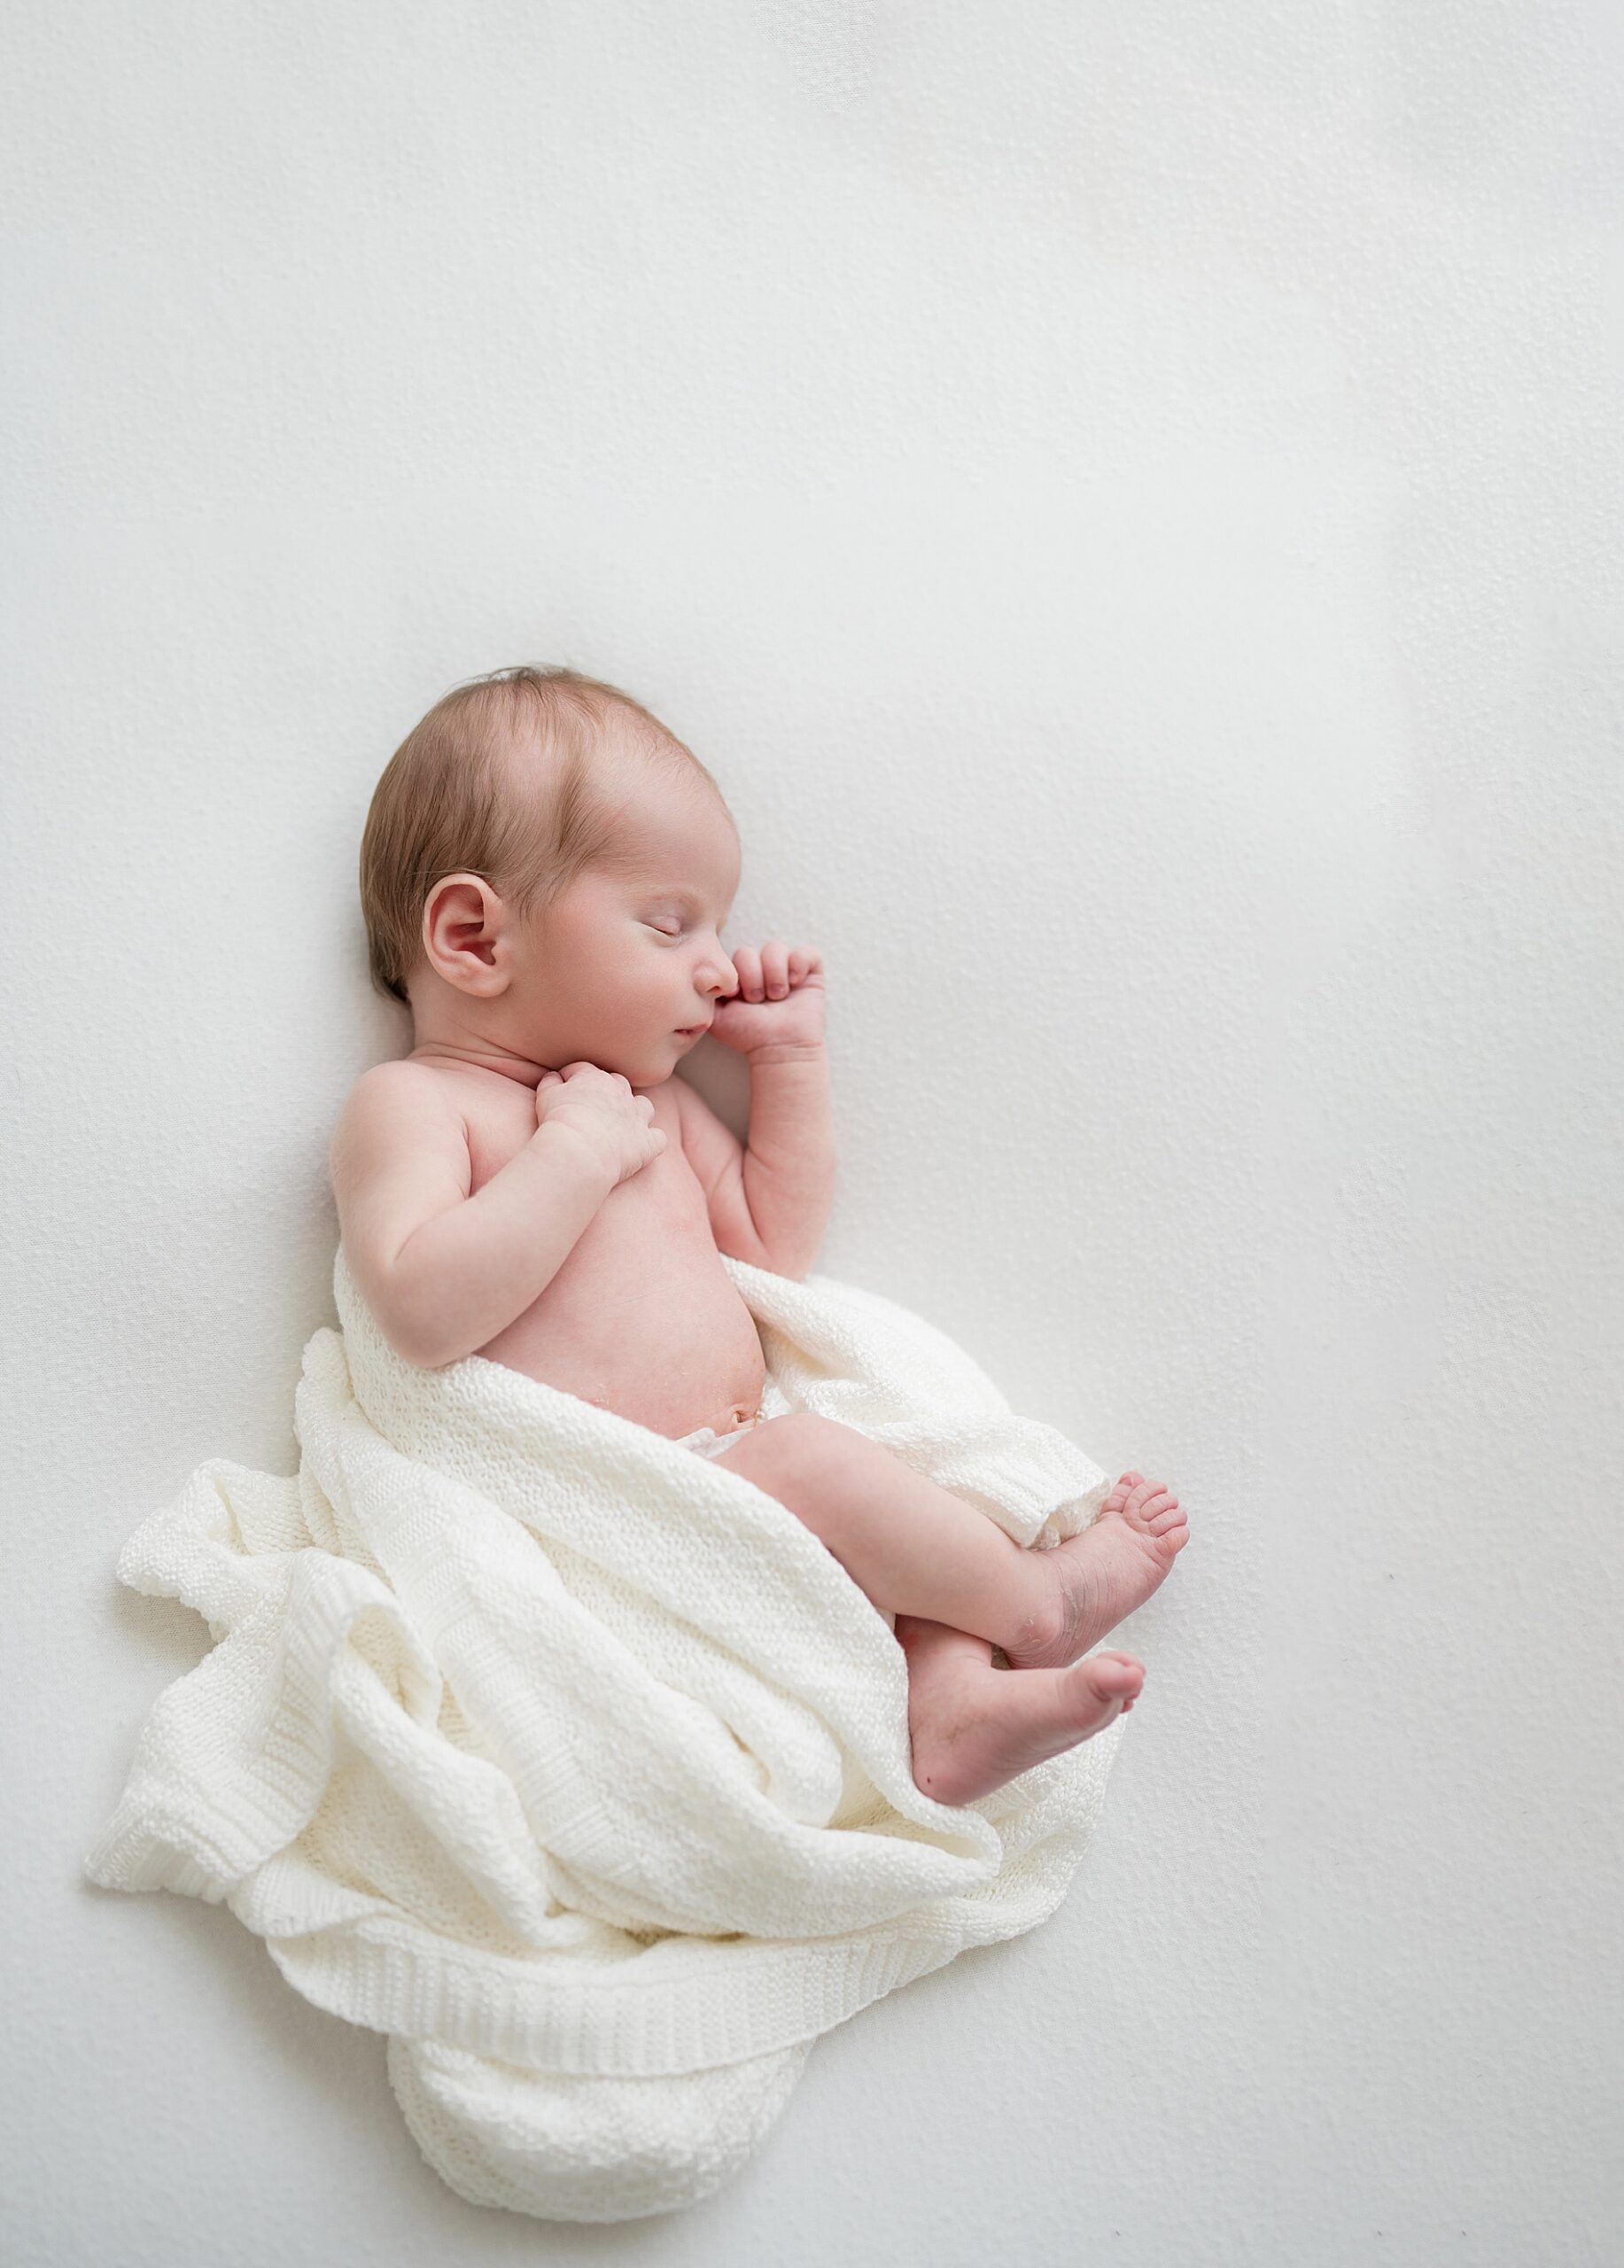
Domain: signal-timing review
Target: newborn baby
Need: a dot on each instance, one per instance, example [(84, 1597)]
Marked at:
[(546, 871)]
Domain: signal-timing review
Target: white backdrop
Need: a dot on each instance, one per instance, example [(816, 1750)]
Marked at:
[(1127, 501)]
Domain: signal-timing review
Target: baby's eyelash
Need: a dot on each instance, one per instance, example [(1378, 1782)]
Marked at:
[(662, 933)]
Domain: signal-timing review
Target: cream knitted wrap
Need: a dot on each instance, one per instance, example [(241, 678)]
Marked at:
[(571, 1761)]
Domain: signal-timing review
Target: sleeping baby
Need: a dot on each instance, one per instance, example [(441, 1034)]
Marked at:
[(546, 871)]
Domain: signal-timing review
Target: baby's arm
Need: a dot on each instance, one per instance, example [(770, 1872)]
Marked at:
[(769, 1201), (443, 1271), (788, 1167)]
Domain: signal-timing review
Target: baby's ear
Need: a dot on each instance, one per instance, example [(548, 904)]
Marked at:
[(467, 934)]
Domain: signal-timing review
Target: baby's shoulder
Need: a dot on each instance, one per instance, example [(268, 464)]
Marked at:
[(403, 1075), (395, 1106), (402, 1086)]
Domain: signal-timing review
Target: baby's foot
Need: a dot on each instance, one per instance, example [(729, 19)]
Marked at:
[(973, 1733), (1094, 1579)]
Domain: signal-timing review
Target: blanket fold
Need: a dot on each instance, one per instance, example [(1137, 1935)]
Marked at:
[(572, 1762)]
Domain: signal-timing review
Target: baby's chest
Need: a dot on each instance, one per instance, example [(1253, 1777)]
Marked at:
[(661, 1204)]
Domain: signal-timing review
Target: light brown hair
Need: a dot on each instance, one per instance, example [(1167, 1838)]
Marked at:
[(451, 800)]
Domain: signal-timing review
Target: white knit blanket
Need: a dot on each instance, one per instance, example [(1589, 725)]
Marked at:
[(573, 1762)]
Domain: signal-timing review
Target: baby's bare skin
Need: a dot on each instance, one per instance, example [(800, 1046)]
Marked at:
[(973, 1728), (918, 1549), (640, 1317), (961, 1586)]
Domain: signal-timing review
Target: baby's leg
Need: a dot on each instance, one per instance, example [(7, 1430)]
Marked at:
[(919, 1549), (973, 1727)]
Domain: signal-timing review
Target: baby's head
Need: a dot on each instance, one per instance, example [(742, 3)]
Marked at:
[(544, 872)]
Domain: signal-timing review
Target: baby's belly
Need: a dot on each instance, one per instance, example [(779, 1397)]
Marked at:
[(642, 1319)]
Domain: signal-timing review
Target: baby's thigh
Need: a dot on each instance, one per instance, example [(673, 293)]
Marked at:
[(801, 1458)]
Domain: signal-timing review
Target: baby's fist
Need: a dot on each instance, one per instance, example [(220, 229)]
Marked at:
[(598, 1109), (780, 1001)]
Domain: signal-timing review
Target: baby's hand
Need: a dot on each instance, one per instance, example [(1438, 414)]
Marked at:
[(600, 1107), (779, 1002)]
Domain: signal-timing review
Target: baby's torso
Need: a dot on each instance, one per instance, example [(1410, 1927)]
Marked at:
[(642, 1319)]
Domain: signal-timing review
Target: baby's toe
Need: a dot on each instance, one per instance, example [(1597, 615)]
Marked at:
[(1115, 1677)]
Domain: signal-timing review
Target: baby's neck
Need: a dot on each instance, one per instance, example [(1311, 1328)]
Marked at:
[(478, 1055)]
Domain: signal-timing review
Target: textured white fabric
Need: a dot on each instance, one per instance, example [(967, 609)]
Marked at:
[(581, 1773)]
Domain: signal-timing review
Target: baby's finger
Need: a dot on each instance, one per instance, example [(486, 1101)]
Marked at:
[(747, 967), (775, 968)]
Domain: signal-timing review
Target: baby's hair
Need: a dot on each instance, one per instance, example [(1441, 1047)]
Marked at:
[(448, 801)]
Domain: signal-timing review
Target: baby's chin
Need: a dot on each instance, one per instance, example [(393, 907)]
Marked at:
[(654, 1069), (654, 1073)]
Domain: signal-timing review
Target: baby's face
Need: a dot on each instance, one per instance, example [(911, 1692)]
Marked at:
[(625, 970)]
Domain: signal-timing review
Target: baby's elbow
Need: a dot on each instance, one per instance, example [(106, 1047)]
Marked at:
[(422, 1346), (403, 1330), (418, 1356), (401, 1338)]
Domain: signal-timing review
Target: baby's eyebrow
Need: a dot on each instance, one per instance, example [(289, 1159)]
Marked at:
[(679, 890)]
